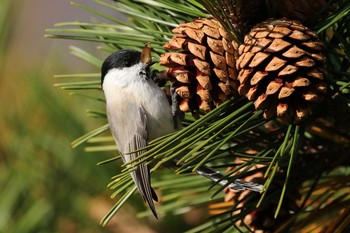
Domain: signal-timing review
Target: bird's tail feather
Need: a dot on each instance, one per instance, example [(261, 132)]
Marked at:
[(141, 177)]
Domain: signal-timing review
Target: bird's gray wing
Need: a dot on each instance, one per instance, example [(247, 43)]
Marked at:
[(141, 175)]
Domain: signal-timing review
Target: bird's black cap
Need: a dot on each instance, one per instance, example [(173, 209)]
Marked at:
[(120, 59)]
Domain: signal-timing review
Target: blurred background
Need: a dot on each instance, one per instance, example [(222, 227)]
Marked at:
[(45, 185)]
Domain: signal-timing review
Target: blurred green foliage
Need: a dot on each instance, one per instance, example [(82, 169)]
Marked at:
[(4, 16), (44, 183)]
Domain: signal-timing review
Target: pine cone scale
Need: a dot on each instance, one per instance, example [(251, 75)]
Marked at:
[(275, 64), (277, 45), (194, 34)]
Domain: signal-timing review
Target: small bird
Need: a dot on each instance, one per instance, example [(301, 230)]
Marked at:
[(138, 111)]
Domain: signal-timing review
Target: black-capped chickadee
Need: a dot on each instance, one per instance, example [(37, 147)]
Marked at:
[(138, 111)]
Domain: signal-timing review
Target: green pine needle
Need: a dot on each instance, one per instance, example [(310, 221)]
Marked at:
[(89, 135), (118, 205), (293, 153)]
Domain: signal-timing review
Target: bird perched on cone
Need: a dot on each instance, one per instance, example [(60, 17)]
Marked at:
[(137, 110)]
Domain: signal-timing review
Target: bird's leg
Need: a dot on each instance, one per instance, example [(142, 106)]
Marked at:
[(177, 114)]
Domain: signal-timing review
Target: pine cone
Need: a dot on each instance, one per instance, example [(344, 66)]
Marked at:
[(203, 70), (305, 11), (281, 69)]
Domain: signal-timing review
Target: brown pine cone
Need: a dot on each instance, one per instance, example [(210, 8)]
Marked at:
[(281, 69), (203, 67)]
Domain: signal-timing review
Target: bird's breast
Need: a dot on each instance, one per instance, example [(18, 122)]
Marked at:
[(145, 94)]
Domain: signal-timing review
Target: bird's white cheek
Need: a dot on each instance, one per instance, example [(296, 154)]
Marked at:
[(122, 77), (110, 94)]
